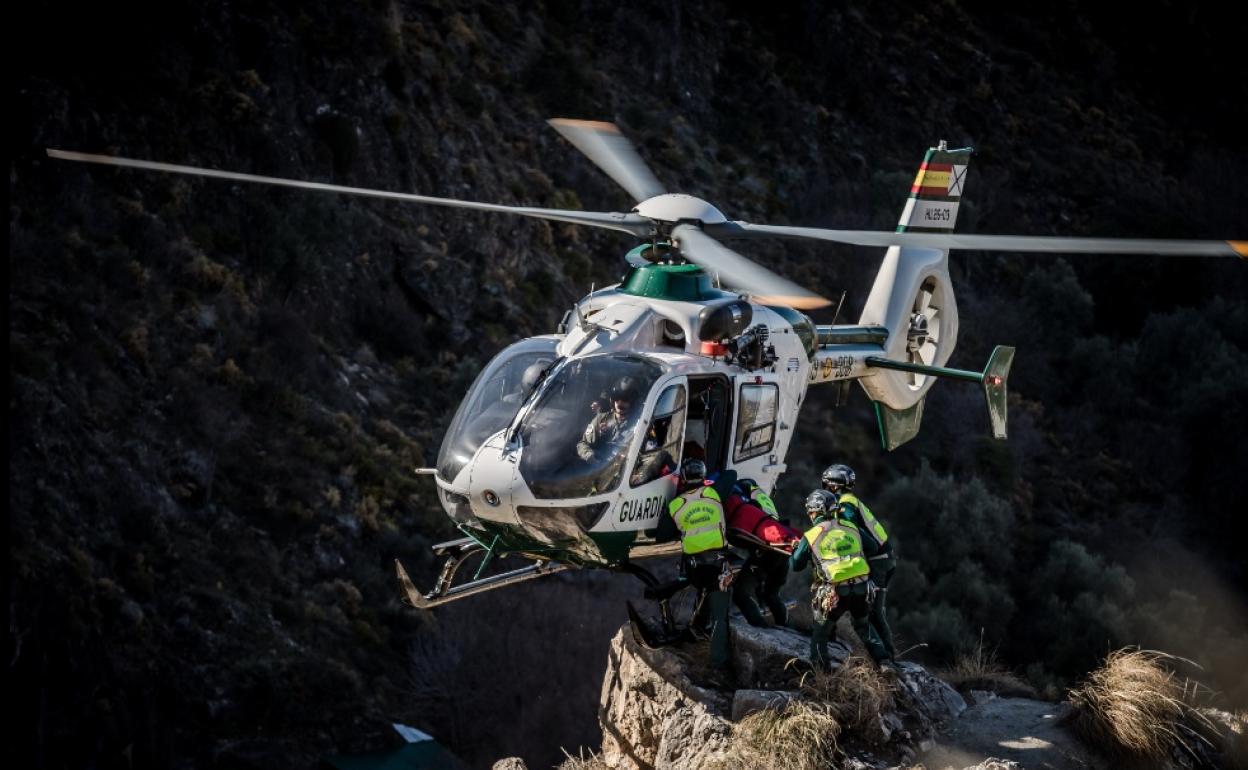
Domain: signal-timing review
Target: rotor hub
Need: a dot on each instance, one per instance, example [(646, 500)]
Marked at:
[(671, 208)]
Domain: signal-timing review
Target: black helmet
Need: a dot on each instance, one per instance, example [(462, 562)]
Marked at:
[(839, 477), (821, 502), (693, 470), (747, 486), (625, 388)]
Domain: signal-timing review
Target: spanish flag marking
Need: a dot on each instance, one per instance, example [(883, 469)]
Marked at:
[(944, 179)]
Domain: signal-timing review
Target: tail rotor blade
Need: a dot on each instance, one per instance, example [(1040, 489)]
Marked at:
[(613, 153), (739, 272), (628, 223)]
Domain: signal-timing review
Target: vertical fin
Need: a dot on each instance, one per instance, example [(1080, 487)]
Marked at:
[(934, 196), (897, 426)]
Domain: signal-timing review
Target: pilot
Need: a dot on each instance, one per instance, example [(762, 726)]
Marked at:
[(706, 561), (609, 428), (839, 480), (842, 579)]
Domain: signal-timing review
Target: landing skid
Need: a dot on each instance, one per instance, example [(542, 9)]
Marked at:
[(456, 553)]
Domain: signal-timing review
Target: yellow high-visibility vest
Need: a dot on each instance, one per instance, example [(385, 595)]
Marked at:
[(764, 501), (699, 515), (837, 546), (868, 518)]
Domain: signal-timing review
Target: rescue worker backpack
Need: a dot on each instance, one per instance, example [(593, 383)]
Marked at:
[(837, 546), (699, 515), (868, 519)]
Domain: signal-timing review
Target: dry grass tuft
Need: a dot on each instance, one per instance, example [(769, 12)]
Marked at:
[(979, 669), (857, 692), (801, 736), (581, 762), (1136, 708)]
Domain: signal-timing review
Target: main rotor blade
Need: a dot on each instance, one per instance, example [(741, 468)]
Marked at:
[(740, 273), (627, 223), (1038, 243), (613, 153)]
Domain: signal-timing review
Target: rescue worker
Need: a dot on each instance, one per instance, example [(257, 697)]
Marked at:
[(839, 480), (706, 560), (752, 512), (842, 580), (609, 427)]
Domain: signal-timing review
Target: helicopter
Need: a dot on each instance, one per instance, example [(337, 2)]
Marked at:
[(565, 450)]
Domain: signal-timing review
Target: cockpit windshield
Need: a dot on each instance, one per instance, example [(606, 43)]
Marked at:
[(577, 437), (493, 401)]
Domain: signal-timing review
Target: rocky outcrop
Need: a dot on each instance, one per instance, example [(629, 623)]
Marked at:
[(651, 708), (663, 709)]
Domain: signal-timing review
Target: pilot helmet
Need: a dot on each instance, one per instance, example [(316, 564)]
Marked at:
[(624, 387)]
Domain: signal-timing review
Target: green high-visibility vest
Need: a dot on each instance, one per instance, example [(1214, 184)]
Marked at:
[(868, 518), (837, 546), (699, 515), (763, 500)]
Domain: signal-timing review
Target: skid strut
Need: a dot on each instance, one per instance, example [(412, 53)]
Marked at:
[(456, 553)]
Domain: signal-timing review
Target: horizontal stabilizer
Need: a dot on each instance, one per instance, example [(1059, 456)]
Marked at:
[(897, 426)]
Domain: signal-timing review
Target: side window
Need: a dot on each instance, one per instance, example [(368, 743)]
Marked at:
[(660, 450), (756, 425)]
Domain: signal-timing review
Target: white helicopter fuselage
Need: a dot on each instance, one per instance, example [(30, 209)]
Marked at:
[(755, 426)]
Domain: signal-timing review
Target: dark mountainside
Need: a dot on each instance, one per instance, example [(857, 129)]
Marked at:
[(217, 392)]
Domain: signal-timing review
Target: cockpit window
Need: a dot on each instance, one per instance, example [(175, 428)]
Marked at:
[(493, 401), (660, 450), (577, 437)]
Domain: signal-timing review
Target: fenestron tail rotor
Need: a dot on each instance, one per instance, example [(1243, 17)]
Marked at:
[(923, 336)]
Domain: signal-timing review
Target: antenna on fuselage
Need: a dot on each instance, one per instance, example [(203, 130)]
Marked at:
[(841, 302)]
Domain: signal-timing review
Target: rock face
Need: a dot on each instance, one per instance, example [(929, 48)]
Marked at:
[(653, 715), (661, 708)]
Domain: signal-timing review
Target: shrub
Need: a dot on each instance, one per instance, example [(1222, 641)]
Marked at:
[(1135, 708), (857, 692), (979, 669), (801, 736)]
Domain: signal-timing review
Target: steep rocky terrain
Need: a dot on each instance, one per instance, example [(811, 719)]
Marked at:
[(217, 393), (660, 709)]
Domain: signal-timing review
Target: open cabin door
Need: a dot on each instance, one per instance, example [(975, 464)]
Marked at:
[(710, 421), (753, 439)]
